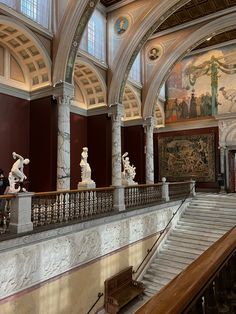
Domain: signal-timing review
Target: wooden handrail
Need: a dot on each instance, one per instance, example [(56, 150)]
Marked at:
[(72, 191), (179, 183), (7, 196), (182, 290)]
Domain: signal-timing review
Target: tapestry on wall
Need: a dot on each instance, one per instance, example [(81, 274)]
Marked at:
[(187, 157), (202, 85)]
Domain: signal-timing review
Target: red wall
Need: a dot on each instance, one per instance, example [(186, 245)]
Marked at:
[(99, 149), (95, 133), (214, 130), (78, 140), (43, 144), (133, 142), (14, 130)]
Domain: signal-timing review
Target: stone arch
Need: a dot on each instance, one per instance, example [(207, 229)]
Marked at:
[(70, 34), (228, 136), (28, 51), (170, 59), (132, 103), (91, 83), (142, 30)]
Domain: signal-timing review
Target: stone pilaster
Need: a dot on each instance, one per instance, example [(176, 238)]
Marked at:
[(148, 128), (64, 94)]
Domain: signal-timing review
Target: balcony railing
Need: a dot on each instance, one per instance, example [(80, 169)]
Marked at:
[(5, 208), (142, 195), (24, 212), (60, 207)]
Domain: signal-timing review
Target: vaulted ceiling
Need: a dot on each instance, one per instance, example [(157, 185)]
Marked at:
[(107, 3)]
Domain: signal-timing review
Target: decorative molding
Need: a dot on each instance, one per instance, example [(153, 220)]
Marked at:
[(225, 44), (13, 91), (132, 122), (181, 126), (83, 53)]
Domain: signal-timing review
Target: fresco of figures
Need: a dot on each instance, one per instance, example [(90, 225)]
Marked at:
[(202, 85)]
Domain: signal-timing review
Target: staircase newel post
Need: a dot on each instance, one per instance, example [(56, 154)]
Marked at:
[(192, 187), (165, 190)]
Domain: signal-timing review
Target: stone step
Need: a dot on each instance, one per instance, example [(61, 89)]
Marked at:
[(226, 206), (214, 222), (175, 237), (199, 229), (209, 216), (180, 253), (187, 245), (152, 285), (197, 233), (184, 260), (216, 227), (215, 198), (154, 272), (182, 249), (156, 279), (175, 264), (160, 267), (209, 211)]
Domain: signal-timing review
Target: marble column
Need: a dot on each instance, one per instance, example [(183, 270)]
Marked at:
[(64, 94), (116, 113), (148, 128)]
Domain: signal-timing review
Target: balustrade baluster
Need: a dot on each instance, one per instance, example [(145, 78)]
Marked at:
[(210, 300)]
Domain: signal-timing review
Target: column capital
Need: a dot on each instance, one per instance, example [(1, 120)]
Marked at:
[(63, 90), (149, 124), (116, 111)]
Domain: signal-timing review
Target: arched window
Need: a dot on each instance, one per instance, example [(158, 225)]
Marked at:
[(135, 72), (37, 10), (94, 37)]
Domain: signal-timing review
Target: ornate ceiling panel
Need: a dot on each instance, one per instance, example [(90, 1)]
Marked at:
[(107, 3), (195, 9)]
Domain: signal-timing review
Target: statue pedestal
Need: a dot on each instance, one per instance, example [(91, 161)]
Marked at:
[(84, 185)]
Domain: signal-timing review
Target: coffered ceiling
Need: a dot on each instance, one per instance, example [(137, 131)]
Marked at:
[(196, 9)]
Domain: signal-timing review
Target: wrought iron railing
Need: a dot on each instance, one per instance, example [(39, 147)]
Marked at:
[(64, 206), (5, 212), (143, 194), (179, 189)]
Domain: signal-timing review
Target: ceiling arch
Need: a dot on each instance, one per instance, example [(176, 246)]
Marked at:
[(91, 83), (132, 103), (69, 36), (172, 57), (141, 31), (29, 51)]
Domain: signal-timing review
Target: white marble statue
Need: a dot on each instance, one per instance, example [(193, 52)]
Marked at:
[(86, 182), (129, 171), (16, 175)]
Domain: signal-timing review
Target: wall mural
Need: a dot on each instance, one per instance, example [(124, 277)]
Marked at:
[(187, 157), (202, 85)]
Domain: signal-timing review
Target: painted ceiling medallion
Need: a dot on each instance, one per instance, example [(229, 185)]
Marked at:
[(121, 25)]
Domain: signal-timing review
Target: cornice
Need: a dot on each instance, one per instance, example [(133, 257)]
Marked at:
[(13, 91), (187, 125), (118, 5)]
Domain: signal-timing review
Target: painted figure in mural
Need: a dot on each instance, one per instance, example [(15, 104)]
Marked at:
[(16, 175), (229, 94), (193, 107), (85, 167)]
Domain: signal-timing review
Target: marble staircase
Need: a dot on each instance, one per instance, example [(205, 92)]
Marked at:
[(204, 221)]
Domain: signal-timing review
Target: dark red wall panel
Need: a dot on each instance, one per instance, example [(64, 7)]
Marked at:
[(78, 139), (133, 142), (99, 149), (14, 130), (43, 144)]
